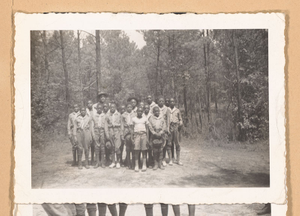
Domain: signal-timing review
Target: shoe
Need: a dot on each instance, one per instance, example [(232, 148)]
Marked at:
[(112, 165), (96, 166), (118, 166), (144, 169), (164, 163), (136, 169), (155, 165), (171, 163), (179, 163), (174, 161), (162, 167), (103, 165)]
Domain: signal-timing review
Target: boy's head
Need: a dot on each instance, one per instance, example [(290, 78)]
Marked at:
[(99, 109), (90, 104), (105, 107), (122, 109), (133, 103), (156, 111), (76, 108), (146, 109), (167, 102), (161, 101), (82, 111), (172, 102), (142, 105), (102, 97), (129, 108), (113, 107), (139, 112), (149, 99)]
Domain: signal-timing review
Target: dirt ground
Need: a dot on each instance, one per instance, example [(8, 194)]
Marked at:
[(206, 164), (203, 210)]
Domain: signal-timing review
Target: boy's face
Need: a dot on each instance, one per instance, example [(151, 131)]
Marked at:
[(133, 103), (172, 102), (76, 108), (142, 104), (146, 109), (156, 111), (139, 112), (149, 99), (90, 104), (122, 109), (83, 111), (129, 108), (105, 108), (99, 109), (112, 108), (161, 102), (167, 102), (102, 98)]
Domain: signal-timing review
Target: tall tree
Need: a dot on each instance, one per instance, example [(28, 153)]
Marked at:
[(98, 61), (65, 68)]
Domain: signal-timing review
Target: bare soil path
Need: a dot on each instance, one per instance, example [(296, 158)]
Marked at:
[(206, 164)]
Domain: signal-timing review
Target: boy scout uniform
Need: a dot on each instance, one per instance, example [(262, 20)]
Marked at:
[(165, 113), (99, 137), (83, 129), (175, 123), (70, 127), (127, 132), (157, 126), (113, 131)]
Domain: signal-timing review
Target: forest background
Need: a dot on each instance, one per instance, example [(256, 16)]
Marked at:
[(219, 78)]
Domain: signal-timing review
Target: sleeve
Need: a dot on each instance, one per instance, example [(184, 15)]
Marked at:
[(122, 125), (106, 127), (75, 127), (69, 125), (151, 127), (168, 119), (180, 118)]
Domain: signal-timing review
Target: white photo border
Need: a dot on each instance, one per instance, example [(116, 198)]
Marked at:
[(274, 22)]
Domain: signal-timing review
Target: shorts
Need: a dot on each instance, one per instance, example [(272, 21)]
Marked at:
[(140, 141), (115, 136), (84, 138), (100, 139)]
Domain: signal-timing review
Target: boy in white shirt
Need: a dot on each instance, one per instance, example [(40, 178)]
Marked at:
[(140, 138)]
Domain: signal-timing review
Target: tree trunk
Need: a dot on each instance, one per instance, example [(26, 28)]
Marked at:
[(206, 60), (237, 77), (157, 69), (216, 99), (98, 61), (184, 99), (62, 45), (79, 66)]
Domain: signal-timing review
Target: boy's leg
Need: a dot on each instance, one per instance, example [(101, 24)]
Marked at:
[(149, 209), (122, 209), (144, 151), (93, 144), (191, 210), (74, 156), (155, 157), (164, 209), (160, 158), (102, 147), (169, 148), (176, 210), (164, 163), (121, 150), (113, 209), (176, 141), (118, 143), (97, 144), (86, 146), (91, 209), (102, 209), (79, 136), (136, 160)]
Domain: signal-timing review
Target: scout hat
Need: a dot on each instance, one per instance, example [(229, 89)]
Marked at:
[(102, 93)]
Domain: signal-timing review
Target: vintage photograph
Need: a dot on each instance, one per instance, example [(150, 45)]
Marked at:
[(150, 108), (166, 106), (123, 209)]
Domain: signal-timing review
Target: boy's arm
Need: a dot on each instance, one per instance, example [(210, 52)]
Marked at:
[(122, 127), (75, 130), (168, 121), (106, 128), (151, 128), (69, 126), (92, 126), (180, 118)]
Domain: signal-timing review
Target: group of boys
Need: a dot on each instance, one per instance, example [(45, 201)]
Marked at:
[(148, 130)]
